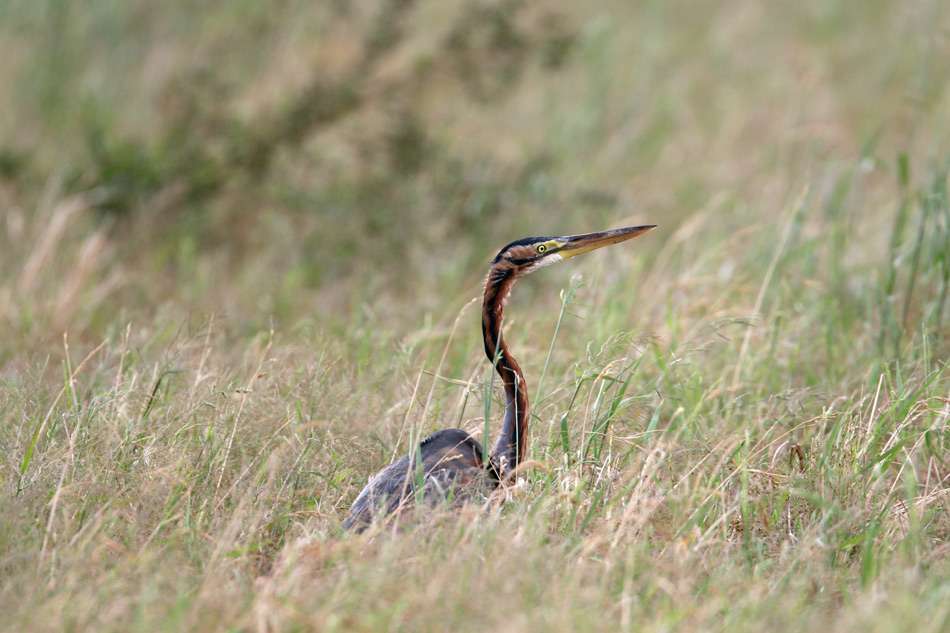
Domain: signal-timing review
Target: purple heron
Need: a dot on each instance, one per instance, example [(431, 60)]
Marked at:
[(449, 464)]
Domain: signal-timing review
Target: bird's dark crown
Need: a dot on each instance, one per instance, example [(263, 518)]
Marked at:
[(525, 241)]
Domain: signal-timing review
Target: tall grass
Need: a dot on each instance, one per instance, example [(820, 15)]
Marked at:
[(242, 252)]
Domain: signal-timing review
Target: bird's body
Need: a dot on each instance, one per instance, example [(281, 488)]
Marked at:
[(452, 470), (451, 465)]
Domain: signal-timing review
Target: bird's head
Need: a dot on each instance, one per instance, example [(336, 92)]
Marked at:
[(526, 255)]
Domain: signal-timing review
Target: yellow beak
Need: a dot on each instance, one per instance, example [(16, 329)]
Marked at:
[(577, 244)]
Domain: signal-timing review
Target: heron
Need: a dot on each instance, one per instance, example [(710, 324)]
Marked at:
[(450, 465)]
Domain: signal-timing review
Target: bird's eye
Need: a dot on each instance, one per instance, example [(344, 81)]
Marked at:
[(541, 248)]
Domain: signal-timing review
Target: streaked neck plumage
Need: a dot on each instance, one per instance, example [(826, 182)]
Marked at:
[(509, 449)]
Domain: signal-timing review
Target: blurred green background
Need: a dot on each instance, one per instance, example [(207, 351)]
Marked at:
[(299, 160)]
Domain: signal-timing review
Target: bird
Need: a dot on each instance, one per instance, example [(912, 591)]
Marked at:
[(450, 466)]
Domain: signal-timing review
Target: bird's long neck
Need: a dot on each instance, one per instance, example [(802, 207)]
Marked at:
[(509, 449)]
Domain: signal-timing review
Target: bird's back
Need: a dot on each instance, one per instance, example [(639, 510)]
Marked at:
[(449, 466)]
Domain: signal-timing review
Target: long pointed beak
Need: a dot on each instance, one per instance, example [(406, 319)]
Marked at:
[(577, 244)]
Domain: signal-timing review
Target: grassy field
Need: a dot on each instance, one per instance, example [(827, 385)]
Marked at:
[(242, 246)]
